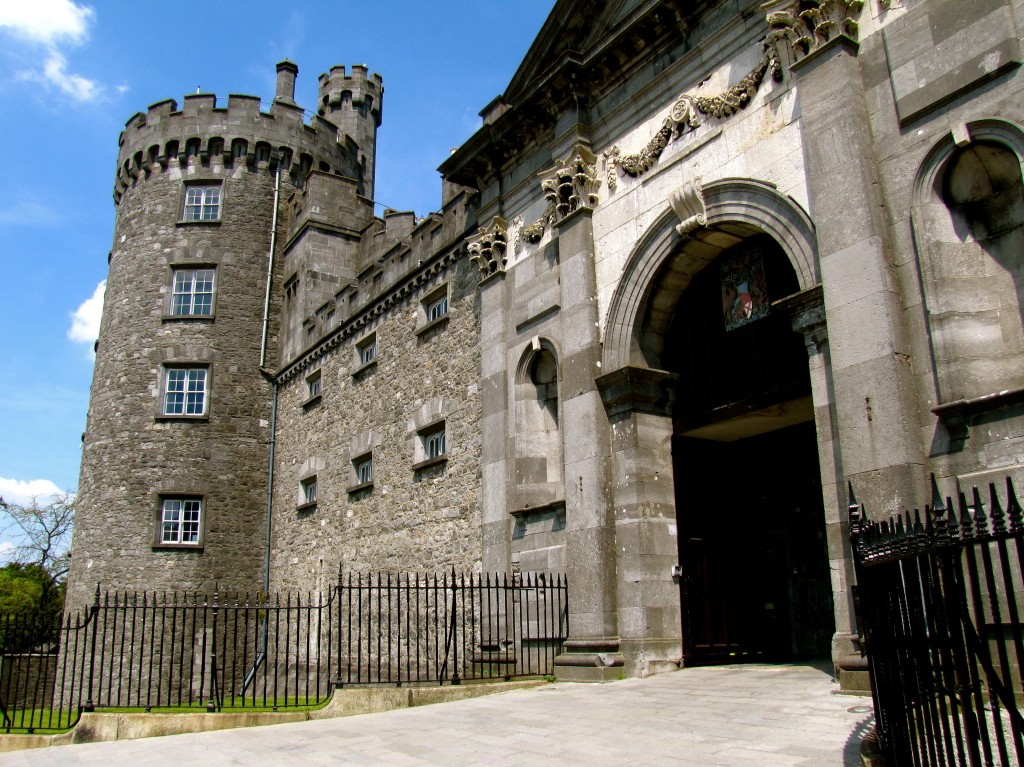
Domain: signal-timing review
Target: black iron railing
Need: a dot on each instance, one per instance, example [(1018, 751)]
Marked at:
[(396, 629), (940, 604), (153, 652)]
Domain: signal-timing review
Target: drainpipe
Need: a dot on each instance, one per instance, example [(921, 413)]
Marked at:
[(262, 655), (270, 269)]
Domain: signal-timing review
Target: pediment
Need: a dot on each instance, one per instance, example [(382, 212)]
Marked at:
[(574, 30)]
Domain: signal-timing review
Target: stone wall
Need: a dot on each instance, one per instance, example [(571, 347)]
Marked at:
[(410, 519), (968, 88)]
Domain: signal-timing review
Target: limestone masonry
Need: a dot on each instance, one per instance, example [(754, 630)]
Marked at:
[(703, 264)]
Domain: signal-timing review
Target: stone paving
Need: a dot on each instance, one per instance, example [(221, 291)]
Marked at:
[(754, 716)]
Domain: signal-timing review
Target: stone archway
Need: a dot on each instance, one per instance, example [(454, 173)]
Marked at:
[(638, 392)]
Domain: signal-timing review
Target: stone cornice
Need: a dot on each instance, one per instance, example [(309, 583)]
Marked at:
[(533, 104)]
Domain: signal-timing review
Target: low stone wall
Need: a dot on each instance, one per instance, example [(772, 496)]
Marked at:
[(97, 727)]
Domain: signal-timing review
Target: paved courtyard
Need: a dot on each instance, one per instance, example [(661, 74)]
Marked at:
[(754, 716)]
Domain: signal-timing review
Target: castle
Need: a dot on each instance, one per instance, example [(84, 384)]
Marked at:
[(702, 264)]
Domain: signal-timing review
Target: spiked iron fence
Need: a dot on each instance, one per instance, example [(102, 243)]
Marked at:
[(940, 603), (215, 652)]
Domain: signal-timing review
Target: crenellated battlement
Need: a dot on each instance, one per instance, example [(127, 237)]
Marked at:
[(204, 131), (356, 91), (354, 102)]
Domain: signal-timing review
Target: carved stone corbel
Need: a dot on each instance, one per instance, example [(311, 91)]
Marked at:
[(577, 181), (688, 203), (571, 184), (487, 247), (804, 31)]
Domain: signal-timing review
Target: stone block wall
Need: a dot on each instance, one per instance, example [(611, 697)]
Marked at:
[(409, 519), (961, 308)]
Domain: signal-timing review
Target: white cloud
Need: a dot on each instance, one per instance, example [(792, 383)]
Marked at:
[(46, 21), (85, 320), (7, 549), (29, 213), (22, 492), (77, 87), (46, 26)]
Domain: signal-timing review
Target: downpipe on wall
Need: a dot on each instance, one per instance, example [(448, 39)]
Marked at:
[(262, 654)]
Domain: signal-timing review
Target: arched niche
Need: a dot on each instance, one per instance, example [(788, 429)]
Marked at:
[(662, 264), (538, 436), (968, 218)]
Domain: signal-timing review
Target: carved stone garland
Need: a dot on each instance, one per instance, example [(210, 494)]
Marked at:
[(487, 247), (572, 184), (801, 31), (684, 118)]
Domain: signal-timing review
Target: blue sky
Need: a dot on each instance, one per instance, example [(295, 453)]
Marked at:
[(72, 73)]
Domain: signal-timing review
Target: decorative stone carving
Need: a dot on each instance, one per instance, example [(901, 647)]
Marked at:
[(684, 117), (576, 182), (807, 30), (688, 203), (570, 185), (487, 247)]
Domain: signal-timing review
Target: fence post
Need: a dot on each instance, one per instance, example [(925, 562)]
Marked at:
[(452, 635), (90, 706)]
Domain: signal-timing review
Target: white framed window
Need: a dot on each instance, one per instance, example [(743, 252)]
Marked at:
[(368, 352), (314, 386), (363, 468), (192, 292), (202, 203), (181, 521), (431, 447), (437, 309), (433, 310), (308, 488), (433, 444), (185, 390)]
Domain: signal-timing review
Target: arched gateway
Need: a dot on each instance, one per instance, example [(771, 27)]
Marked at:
[(713, 400)]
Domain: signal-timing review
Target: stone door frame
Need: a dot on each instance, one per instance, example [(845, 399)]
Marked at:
[(638, 400)]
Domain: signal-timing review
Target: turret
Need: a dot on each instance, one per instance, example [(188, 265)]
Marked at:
[(354, 103)]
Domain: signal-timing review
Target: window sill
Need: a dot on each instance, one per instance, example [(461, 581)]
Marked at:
[(436, 461), (314, 400), (958, 415), (187, 317), (364, 368), (359, 488), (438, 323), (165, 417), (306, 507), (178, 546), (183, 222)]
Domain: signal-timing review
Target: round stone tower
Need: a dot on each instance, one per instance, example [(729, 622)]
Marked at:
[(354, 103), (173, 485)]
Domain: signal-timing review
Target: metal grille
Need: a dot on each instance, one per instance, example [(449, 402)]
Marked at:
[(940, 601), (150, 651)]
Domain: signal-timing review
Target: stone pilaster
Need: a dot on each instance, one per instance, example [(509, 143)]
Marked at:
[(494, 424), (638, 404), (807, 311), (592, 650), (872, 376)]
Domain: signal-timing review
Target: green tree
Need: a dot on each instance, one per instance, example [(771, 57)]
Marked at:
[(39, 564)]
